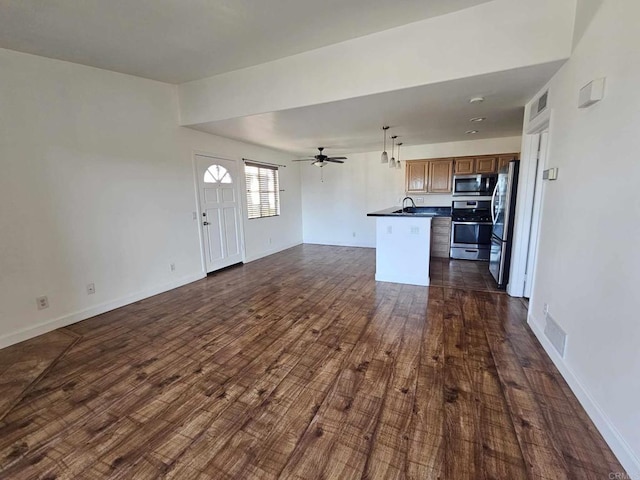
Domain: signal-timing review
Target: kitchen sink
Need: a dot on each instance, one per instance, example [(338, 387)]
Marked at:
[(426, 211)]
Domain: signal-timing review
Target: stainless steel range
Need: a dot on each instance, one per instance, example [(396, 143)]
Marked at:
[(471, 227)]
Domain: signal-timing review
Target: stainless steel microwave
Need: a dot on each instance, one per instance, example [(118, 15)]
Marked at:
[(479, 185)]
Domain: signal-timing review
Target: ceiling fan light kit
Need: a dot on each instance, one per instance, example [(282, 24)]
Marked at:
[(321, 159), (384, 158)]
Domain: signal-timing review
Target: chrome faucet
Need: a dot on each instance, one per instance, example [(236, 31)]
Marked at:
[(408, 198)]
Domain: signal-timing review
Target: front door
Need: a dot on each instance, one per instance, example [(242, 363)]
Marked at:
[(220, 212)]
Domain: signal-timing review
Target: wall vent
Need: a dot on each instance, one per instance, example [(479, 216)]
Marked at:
[(539, 106), (556, 335)]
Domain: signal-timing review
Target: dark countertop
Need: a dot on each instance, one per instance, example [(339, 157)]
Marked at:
[(413, 212)]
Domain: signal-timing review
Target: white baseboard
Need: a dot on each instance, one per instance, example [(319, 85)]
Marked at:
[(621, 449), (271, 251), (65, 320), (416, 280), (341, 244)]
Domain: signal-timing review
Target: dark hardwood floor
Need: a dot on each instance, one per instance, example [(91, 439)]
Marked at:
[(445, 272), (301, 366)]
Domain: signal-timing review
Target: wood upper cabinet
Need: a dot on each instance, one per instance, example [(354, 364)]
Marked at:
[(440, 176), (486, 164), (436, 175), (416, 177), (503, 160), (429, 176), (465, 166)]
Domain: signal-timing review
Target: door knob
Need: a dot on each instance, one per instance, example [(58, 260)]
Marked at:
[(205, 223)]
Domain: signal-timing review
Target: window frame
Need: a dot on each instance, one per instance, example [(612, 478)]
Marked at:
[(263, 207)]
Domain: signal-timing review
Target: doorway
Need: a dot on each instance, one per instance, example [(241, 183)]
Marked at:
[(218, 189)]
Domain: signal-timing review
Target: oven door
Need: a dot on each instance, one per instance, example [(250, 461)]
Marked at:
[(471, 234)]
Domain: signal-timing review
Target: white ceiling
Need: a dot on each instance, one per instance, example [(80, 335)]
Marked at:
[(427, 114), (180, 40)]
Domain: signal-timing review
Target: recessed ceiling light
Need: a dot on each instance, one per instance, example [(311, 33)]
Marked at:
[(477, 100), (471, 132), (477, 119)]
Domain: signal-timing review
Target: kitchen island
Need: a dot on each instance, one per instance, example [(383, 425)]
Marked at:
[(403, 243)]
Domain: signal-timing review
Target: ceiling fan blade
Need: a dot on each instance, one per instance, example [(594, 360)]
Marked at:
[(333, 160), (304, 160), (338, 158)]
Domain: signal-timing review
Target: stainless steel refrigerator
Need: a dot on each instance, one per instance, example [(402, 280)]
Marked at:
[(503, 209)]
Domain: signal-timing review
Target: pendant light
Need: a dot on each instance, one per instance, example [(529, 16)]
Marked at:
[(398, 164), (384, 158), (392, 162)]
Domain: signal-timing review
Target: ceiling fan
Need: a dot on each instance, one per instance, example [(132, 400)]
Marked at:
[(321, 160)]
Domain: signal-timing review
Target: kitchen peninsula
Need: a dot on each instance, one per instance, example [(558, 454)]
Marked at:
[(403, 243)]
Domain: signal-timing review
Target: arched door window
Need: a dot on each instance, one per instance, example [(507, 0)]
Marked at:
[(217, 174)]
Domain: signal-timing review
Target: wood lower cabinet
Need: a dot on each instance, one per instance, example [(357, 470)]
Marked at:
[(440, 237), (440, 176), (486, 164)]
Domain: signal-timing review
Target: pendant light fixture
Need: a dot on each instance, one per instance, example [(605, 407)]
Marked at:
[(398, 164), (392, 162), (384, 158)]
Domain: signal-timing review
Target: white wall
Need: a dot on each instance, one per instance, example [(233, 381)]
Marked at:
[(491, 37), (336, 209), (588, 268), (97, 185)]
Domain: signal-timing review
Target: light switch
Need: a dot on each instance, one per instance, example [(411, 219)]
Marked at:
[(415, 230), (550, 174)]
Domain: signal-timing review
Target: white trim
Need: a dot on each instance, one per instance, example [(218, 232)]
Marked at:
[(44, 327), (341, 244), (621, 449), (525, 202), (536, 216), (271, 251)]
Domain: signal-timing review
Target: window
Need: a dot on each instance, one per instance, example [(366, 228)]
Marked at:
[(217, 174), (263, 191)]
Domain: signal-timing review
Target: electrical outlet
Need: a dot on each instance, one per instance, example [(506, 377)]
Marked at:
[(91, 288), (419, 199), (354, 234), (172, 266), (42, 302), (195, 215), (415, 230), (269, 240), (389, 229), (546, 309)]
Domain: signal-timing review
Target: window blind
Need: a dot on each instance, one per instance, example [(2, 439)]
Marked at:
[(263, 190)]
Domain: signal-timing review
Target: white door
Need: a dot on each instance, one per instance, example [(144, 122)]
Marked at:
[(220, 212)]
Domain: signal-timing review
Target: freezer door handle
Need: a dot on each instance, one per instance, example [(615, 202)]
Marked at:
[(493, 204)]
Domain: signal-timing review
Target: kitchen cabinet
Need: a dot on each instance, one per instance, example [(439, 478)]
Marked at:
[(417, 177), (465, 166), (503, 160), (440, 176), (429, 176), (486, 165), (440, 236), (436, 175)]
